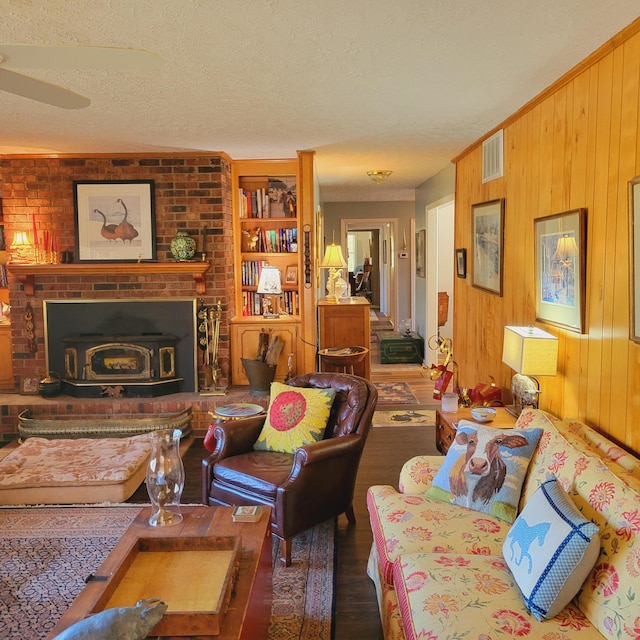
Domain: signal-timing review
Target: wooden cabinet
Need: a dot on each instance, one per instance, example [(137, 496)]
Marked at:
[(447, 425), (268, 229), (346, 324), (244, 335), (6, 367)]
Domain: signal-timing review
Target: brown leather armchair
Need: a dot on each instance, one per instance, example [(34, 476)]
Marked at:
[(313, 484)]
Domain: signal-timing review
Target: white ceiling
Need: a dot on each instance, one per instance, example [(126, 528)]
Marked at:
[(403, 85)]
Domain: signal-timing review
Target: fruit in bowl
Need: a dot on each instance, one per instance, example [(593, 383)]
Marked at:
[(483, 414)]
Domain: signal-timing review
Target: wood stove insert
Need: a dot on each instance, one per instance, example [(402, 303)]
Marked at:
[(144, 366), (122, 348)]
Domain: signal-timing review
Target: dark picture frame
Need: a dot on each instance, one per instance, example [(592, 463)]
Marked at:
[(115, 220), (421, 253), (560, 250), (461, 263), (488, 245), (634, 258)]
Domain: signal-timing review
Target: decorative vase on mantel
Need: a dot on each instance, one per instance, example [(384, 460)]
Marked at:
[(183, 246)]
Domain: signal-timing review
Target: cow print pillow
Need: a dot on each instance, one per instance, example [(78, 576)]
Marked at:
[(485, 468)]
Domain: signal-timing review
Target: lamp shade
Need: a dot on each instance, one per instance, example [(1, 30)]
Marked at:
[(20, 239), (530, 351), (269, 281), (21, 250), (333, 258)]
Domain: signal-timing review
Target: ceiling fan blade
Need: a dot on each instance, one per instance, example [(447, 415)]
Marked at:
[(41, 91), (33, 56)]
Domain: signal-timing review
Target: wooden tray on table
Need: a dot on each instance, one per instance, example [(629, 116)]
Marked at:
[(193, 575)]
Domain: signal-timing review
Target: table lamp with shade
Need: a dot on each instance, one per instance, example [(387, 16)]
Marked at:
[(530, 352), (269, 284), (21, 249), (335, 262)]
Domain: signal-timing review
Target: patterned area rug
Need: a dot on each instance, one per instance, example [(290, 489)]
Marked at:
[(303, 593), (395, 393), (48, 552), (404, 417), (46, 555)]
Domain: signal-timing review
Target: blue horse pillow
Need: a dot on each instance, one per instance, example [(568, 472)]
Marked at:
[(485, 468), (550, 549)]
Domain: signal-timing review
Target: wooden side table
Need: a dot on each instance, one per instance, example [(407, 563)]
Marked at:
[(343, 358), (237, 411), (346, 324), (447, 425)]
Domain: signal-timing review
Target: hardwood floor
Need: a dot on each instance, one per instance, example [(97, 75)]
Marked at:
[(384, 454)]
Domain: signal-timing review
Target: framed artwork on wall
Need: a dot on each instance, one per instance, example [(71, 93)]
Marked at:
[(488, 245), (115, 221), (560, 249), (461, 263), (421, 257), (634, 257)]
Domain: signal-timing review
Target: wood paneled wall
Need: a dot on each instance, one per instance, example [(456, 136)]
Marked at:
[(576, 145)]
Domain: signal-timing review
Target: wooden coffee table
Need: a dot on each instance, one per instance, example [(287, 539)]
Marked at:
[(250, 607)]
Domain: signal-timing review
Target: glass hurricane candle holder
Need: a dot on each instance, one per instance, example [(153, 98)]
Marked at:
[(165, 477)]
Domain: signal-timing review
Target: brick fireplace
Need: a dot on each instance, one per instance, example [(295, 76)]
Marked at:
[(192, 194)]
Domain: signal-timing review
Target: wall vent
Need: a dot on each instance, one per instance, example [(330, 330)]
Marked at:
[(492, 157)]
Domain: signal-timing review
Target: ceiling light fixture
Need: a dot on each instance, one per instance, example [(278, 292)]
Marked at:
[(379, 175)]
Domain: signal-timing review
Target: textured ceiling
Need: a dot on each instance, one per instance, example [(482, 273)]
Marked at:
[(403, 85)]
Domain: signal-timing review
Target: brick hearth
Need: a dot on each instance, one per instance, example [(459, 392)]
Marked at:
[(11, 405)]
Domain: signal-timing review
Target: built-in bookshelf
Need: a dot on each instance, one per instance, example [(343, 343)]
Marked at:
[(267, 234), (269, 218)]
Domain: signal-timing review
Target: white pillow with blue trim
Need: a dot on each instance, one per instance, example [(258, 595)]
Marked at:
[(550, 549)]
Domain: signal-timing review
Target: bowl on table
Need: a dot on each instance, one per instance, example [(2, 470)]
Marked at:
[(483, 414)]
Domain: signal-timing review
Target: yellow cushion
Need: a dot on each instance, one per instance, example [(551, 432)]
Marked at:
[(296, 416)]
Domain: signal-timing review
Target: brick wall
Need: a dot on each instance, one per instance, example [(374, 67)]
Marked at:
[(192, 192)]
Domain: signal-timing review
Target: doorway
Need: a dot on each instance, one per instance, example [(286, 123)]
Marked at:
[(440, 272), (377, 238)]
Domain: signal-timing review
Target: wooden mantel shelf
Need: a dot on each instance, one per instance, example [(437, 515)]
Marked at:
[(27, 273)]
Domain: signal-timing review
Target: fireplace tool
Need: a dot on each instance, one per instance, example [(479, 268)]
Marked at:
[(212, 371)]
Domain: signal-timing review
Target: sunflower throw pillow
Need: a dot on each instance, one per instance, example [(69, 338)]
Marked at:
[(485, 468), (296, 416)]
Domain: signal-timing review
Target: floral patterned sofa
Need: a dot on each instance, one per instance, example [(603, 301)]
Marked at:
[(439, 568)]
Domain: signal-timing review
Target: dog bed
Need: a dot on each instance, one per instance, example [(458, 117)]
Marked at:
[(79, 471)]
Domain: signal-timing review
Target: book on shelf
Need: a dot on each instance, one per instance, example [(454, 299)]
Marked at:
[(281, 240), (250, 272), (252, 303), (246, 514), (253, 204)]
